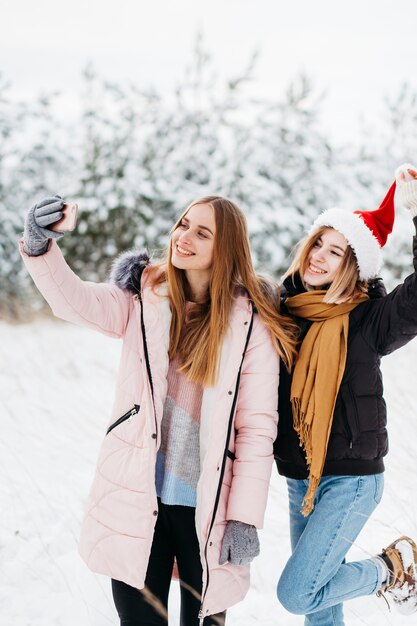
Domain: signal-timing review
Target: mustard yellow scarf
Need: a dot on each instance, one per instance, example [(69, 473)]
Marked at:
[(317, 376)]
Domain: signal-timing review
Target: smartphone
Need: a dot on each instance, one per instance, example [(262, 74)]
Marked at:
[(68, 219)]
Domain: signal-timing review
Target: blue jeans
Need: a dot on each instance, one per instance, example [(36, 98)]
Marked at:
[(316, 579)]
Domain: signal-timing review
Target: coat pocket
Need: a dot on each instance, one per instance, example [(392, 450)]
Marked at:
[(126, 417), (228, 472), (349, 413), (355, 413), (346, 424)]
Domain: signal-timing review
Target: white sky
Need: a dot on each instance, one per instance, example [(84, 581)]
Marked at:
[(356, 51)]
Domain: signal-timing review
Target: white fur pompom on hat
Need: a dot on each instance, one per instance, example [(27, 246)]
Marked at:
[(365, 231)]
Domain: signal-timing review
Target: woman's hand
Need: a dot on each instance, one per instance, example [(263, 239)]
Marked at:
[(36, 234), (406, 177), (240, 544), (412, 172)]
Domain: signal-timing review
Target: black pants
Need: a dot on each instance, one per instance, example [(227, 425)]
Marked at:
[(175, 537)]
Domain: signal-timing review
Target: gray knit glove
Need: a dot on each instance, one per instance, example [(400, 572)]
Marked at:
[(36, 234), (240, 544), (407, 186)]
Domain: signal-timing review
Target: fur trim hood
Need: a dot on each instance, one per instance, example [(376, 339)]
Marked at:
[(126, 272), (127, 268)]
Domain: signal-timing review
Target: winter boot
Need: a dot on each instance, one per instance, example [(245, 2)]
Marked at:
[(401, 560)]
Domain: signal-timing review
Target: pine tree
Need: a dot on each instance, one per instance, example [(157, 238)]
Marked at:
[(135, 157)]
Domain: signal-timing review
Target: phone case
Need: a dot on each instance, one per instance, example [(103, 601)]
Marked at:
[(68, 220)]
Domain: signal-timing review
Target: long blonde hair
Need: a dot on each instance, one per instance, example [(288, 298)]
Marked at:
[(200, 346), (345, 286)]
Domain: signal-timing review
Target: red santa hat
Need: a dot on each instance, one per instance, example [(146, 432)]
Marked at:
[(365, 231)]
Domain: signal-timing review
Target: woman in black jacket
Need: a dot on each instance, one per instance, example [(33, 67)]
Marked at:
[(332, 416)]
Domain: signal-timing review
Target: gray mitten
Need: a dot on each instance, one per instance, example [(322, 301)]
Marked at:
[(36, 233), (240, 543)]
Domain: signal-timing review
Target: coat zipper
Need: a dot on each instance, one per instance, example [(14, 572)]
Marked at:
[(225, 456), (147, 362), (127, 416), (355, 412), (200, 617)]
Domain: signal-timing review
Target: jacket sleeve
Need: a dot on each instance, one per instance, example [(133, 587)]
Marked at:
[(256, 427), (391, 322), (103, 307)]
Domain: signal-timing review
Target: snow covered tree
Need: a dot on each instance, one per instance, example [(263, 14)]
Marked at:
[(144, 157), (32, 161), (398, 141), (286, 175), (135, 157)]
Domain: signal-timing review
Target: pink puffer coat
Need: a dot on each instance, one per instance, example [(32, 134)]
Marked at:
[(238, 426)]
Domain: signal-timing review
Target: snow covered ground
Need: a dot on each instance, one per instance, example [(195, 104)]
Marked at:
[(56, 388)]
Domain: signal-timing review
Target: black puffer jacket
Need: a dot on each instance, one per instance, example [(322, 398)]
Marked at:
[(358, 440)]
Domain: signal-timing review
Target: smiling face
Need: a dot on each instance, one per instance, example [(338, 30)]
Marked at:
[(192, 242), (324, 259)]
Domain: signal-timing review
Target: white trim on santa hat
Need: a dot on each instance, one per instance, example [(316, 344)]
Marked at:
[(360, 238)]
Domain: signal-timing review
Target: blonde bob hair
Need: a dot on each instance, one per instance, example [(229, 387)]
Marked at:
[(345, 286), (232, 269)]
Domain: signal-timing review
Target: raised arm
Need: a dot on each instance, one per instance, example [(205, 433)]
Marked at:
[(100, 306), (391, 321)]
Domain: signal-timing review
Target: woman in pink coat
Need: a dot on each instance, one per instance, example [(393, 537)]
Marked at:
[(184, 467)]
